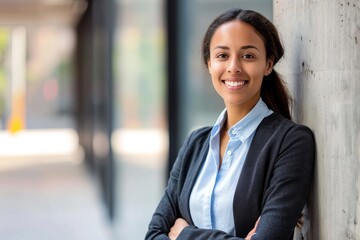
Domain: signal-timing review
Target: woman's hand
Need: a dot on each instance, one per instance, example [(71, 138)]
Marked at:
[(253, 231), (179, 225)]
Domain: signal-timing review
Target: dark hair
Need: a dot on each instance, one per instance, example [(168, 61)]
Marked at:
[(273, 89)]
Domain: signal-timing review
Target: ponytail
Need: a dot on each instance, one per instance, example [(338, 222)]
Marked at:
[(276, 95)]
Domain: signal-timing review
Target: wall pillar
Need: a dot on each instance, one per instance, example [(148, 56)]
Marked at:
[(322, 67)]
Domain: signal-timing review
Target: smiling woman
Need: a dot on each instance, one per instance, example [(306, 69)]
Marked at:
[(253, 141), (237, 65)]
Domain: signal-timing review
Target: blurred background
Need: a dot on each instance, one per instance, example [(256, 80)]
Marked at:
[(96, 97)]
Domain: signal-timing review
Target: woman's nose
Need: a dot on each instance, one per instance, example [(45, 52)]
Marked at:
[(234, 66)]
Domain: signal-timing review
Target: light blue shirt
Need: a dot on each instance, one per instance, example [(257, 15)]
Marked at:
[(211, 199)]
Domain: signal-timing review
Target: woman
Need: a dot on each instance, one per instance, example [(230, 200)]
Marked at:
[(249, 175)]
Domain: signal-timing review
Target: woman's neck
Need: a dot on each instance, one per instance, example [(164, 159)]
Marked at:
[(234, 117), (235, 113)]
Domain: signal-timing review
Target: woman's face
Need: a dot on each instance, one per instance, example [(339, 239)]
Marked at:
[(238, 64)]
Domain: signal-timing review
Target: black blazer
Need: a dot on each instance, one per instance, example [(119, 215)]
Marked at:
[(274, 183)]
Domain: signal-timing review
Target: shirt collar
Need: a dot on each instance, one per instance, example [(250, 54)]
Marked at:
[(246, 126), (219, 123)]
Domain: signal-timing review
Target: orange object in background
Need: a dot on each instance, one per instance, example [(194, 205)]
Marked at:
[(18, 82), (17, 119)]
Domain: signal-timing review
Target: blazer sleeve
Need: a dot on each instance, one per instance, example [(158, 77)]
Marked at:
[(167, 210), (289, 185), (192, 232)]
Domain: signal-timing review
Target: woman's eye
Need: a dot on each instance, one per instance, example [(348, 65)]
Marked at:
[(248, 56), (222, 56)]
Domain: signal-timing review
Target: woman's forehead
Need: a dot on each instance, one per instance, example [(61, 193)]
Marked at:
[(237, 32)]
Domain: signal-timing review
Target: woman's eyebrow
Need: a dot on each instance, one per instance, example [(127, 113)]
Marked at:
[(221, 47), (243, 47), (249, 46)]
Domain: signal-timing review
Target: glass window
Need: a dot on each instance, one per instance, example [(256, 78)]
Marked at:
[(140, 137), (50, 77)]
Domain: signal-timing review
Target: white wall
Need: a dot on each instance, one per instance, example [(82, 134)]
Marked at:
[(322, 67)]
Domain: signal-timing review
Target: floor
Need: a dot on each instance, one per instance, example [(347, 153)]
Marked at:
[(51, 200), (47, 193)]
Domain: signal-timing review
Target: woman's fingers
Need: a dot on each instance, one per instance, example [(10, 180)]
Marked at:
[(253, 231), (179, 225)]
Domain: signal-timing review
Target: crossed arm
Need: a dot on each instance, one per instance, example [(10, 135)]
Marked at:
[(181, 223)]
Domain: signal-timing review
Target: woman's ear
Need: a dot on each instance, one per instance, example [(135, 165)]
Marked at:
[(209, 66), (269, 65)]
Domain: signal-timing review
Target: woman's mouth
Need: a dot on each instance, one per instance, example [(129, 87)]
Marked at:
[(234, 84)]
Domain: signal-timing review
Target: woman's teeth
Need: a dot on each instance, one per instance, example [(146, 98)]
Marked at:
[(234, 84)]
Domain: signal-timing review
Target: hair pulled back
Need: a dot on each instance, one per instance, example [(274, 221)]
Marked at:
[(273, 90)]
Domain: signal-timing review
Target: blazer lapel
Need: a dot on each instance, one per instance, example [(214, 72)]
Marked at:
[(248, 193)]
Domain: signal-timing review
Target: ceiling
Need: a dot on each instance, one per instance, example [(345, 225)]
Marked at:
[(34, 12)]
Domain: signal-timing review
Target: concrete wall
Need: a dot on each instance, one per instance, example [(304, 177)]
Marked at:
[(322, 67)]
